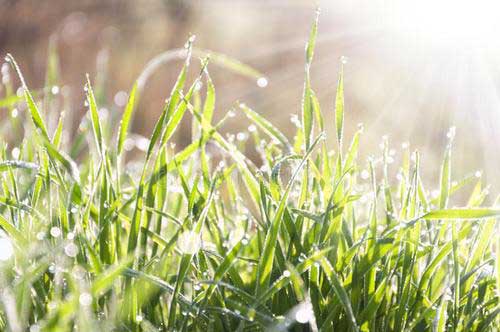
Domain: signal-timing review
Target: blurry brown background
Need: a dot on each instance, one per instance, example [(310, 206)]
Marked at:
[(395, 84)]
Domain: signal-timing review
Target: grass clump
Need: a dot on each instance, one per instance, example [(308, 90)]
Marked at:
[(185, 240)]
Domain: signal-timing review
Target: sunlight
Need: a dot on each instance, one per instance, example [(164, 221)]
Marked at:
[(466, 25)]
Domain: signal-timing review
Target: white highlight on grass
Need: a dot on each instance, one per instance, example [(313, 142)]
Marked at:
[(6, 248), (189, 243)]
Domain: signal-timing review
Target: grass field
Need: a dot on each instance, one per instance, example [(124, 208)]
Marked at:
[(200, 238)]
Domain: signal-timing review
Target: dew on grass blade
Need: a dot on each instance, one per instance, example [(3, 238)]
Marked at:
[(262, 82), (55, 231), (304, 313), (71, 250)]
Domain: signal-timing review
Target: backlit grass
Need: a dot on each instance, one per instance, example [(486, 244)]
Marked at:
[(201, 239)]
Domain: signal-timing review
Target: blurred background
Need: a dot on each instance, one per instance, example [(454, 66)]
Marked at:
[(412, 70)]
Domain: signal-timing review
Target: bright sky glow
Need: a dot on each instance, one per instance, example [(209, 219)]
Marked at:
[(448, 23)]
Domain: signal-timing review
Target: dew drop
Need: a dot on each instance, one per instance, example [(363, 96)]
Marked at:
[(241, 136), (304, 313), (120, 98), (54, 90), (85, 299), (55, 231), (15, 153), (71, 250), (262, 82), (35, 328), (5, 69)]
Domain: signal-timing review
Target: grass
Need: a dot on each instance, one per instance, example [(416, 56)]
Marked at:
[(202, 239)]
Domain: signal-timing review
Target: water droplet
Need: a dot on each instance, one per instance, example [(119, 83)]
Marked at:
[(71, 250), (241, 136), (6, 249), (35, 328), (231, 114), (85, 299), (55, 231), (142, 143), (120, 98), (5, 68), (365, 174), (40, 236), (478, 174), (344, 59), (138, 318), (286, 274), (15, 153), (304, 313), (405, 145), (14, 113), (251, 314), (295, 120), (252, 128), (55, 90), (262, 82), (198, 86)]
